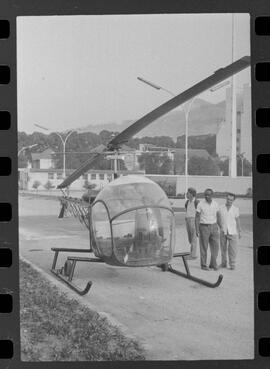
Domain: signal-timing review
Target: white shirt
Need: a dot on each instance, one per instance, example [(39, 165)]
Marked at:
[(191, 211), (228, 219), (208, 212)]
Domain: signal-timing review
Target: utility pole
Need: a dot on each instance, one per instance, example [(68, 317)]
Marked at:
[(233, 161)]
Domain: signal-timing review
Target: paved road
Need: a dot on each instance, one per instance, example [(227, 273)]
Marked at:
[(175, 319)]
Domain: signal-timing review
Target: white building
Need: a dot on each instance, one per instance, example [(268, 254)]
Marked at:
[(246, 130), (243, 122), (29, 177), (43, 160)]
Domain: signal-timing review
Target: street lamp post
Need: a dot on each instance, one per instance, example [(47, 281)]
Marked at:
[(154, 85), (19, 152), (186, 109), (233, 169), (26, 147), (64, 141)]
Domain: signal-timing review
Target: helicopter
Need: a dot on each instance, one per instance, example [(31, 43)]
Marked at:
[(131, 222)]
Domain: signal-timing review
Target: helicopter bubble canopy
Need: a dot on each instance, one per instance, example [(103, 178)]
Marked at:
[(133, 223)]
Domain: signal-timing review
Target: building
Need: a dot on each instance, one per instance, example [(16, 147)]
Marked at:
[(30, 177), (130, 158), (243, 125), (43, 160), (176, 155), (246, 131)]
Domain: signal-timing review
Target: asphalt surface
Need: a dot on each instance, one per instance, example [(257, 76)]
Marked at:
[(174, 318)]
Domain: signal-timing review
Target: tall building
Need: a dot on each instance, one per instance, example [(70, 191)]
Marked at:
[(246, 130), (243, 122)]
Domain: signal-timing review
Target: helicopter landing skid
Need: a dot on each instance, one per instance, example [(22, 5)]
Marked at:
[(168, 267), (66, 273)]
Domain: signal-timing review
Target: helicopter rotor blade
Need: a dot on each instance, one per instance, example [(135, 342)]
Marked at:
[(94, 156), (219, 76)]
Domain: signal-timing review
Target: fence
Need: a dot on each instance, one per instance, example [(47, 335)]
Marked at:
[(176, 184)]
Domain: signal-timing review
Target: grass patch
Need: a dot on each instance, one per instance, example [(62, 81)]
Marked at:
[(56, 328)]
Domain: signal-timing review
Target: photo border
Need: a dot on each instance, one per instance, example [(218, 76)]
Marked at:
[(9, 276)]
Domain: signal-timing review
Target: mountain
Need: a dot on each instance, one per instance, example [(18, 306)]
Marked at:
[(204, 118)]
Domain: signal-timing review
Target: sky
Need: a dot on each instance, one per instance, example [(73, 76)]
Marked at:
[(73, 71)]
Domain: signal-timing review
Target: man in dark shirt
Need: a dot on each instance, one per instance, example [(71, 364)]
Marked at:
[(190, 206)]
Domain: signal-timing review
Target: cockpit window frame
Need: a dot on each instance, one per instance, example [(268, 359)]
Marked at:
[(144, 207), (111, 230), (111, 219), (130, 209), (141, 207)]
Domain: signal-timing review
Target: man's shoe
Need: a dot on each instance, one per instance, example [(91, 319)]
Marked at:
[(223, 265), (232, 268), (204, 268), (214, 268)]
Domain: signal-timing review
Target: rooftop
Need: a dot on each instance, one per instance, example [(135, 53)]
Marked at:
[(46, 154)]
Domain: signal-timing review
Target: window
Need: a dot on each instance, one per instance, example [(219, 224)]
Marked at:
[(101, 176), (50, 175), (59, 175), (85, 176), (93, 176)]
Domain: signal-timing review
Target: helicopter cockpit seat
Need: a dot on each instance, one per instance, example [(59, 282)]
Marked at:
[(132, 223)]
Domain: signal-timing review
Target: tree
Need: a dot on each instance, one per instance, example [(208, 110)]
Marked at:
[(90, 193), (249, 192), (159, 141), (154, 163), (166, 166), (36, 185), (168, 187), (247, 167), (22, 160), (206, 142), (202, 166), (88, 185), (106, 136), (48, 185), (223, 166)]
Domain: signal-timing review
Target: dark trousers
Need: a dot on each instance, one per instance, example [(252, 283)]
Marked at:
[(209, 234), (192, 238)]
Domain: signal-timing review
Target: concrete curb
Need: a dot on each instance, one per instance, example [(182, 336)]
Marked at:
[(73, 296)]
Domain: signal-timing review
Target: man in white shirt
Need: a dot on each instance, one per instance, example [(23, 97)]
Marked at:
[(207, 229), (230, 230), (190, 206)]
